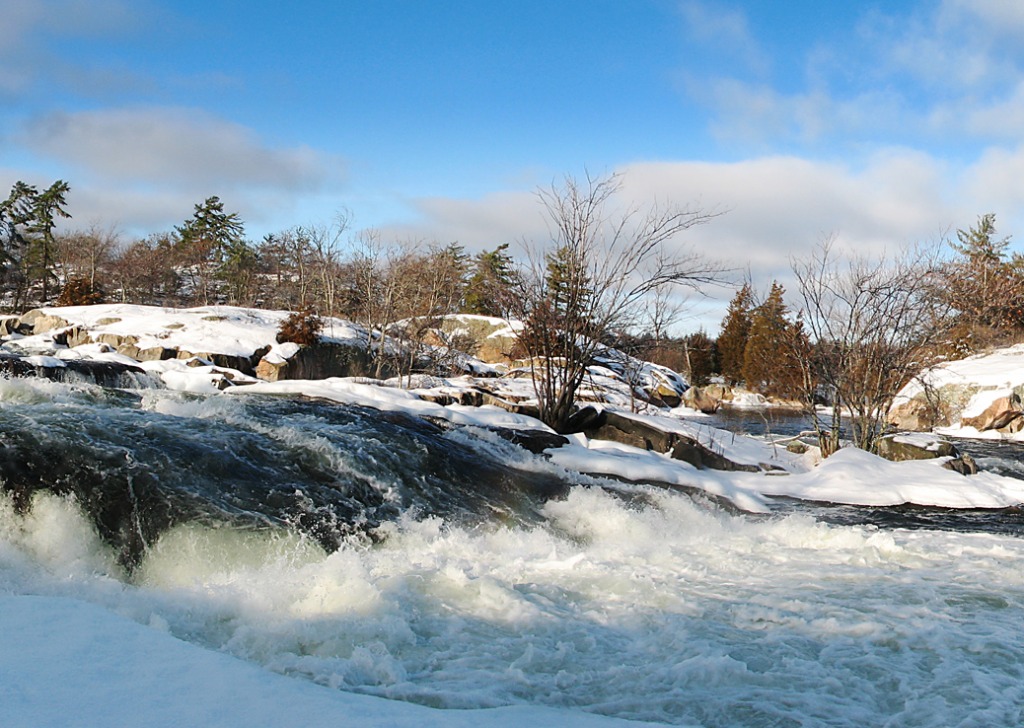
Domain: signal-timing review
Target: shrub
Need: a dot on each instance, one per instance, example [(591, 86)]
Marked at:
[(79, 292), (301, 327)]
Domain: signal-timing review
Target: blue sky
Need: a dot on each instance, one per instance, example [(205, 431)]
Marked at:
[(877, 123)]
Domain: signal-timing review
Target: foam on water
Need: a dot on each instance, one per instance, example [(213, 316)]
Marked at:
[(660, 610)]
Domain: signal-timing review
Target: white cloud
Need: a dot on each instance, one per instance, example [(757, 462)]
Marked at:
[(1001, 18), (774, 209), (724, 29), (28, 56), (143, 169), (993, 184), (933, 72), (174, 147)]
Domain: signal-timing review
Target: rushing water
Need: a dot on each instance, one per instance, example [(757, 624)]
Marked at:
[(451, 569)]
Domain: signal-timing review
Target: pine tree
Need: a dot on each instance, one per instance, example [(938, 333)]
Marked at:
[(567, 281), (701, 357), (205, 241), (732, 341), (985, 288), (27, 221), (770, 363), (489, 290)]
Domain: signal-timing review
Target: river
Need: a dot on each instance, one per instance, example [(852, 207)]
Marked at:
[(401, 559)]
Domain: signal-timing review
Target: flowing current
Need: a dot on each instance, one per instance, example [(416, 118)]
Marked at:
[(392, 557)]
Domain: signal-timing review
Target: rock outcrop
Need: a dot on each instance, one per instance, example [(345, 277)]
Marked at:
[(103, 373), (605, 425), (918, 446), (914, 446), (999, 413), (919, 415), (319, 361)]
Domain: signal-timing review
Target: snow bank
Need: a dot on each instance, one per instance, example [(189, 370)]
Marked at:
[(856, 477)]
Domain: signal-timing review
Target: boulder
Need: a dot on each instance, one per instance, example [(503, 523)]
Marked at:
[(319, 361), (664, 393), (116, 340), (699, 456), (721, 392), (919, 446), (490, 340), (152, 353), (699, 399), (621, 428), (38, 321), (999, 413), (914, 446), (964, 465), (918, 415), (244, 364), (8, 325), (519, 408), (536, 441)]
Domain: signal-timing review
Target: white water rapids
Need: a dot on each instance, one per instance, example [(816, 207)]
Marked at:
[(671, 614), (661, 609)]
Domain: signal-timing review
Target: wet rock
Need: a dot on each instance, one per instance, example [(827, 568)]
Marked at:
[(103, 373), (536, 441), (691, 451), (964, 465), (583, 419)]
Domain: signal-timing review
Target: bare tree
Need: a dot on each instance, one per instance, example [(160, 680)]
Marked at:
[(86, 254), (873, 325), (325, 253), (592, 278), (375, 291)]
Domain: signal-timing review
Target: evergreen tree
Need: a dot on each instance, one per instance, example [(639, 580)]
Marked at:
[(27, 221), (985, 288), (48, 206), (769, 364), (490, 285), (701, 357), (15, 217), (732, 341), (567, 282), (205, 241)]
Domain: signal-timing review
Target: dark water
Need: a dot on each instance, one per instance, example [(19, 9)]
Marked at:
[(142, 464), (757, 421)]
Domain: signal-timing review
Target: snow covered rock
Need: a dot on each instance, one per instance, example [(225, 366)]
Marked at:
[(914, 446), (320, 361), (1001, 410), (961, 397), (642, 433)]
